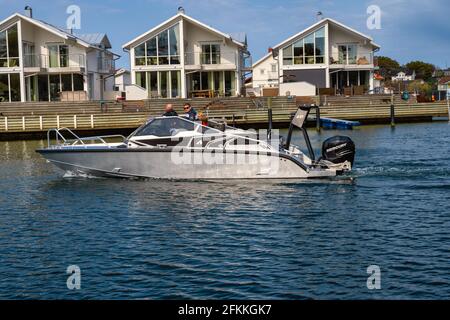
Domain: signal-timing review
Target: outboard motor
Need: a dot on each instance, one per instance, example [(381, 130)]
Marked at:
[(338, 150)]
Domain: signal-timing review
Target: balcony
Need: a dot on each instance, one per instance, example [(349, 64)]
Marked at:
[(106, 65), (361, 59), (60, 63), (211, 61)]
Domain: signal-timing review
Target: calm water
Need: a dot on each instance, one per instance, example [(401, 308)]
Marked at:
[(238, 240)]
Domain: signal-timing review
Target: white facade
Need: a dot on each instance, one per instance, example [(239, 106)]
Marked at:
[(183, 58), (326, 55), (50, 64), (402, 76)]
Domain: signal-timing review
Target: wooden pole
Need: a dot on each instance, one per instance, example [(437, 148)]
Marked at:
[(318, 118), (392, 110)]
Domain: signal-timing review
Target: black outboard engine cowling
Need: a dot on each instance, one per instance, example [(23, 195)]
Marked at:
[(338, 150)]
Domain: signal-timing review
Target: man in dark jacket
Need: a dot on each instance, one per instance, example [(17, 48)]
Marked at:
[(169, 111), (189, 112)]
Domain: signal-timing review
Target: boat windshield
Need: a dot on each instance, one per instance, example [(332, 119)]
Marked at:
[(165, 127)]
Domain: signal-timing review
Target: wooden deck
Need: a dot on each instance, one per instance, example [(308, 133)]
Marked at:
[(35, 118)]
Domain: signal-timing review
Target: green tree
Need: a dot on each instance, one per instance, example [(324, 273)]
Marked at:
[(423, 70), (388, 67), (420, 87)]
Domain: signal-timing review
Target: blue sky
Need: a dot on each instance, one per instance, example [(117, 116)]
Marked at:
[(410, 29)]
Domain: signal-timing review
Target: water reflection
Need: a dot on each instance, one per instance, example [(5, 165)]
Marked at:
[(233, 239)]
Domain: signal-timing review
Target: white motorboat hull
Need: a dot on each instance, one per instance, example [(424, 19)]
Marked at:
[(164, 164)]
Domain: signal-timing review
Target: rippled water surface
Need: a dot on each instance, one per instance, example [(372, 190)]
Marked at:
[(234, 240)]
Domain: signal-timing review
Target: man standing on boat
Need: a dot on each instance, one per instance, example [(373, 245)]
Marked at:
[(189, 112), (169, 111)]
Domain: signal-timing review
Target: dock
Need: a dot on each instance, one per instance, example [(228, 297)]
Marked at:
[(20, 119)]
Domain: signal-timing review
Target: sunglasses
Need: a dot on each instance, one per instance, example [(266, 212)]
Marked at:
[(186, 108)]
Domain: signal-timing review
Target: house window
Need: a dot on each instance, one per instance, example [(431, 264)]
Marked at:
[(9, 48), (58, 55), (211, 54), (274, 67), (262, 71), (347, 53), (308, 50), (163, 49), (9, 87)]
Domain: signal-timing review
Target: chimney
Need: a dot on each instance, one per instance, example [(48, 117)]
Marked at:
[(270, 50), (29, 11), (181, 10)]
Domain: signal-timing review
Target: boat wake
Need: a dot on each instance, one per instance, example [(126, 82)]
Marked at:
[(79, 174)]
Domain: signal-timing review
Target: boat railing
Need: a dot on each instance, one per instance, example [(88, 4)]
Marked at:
[(74, 140)]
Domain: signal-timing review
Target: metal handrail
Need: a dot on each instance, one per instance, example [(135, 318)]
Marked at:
[(59, 136)]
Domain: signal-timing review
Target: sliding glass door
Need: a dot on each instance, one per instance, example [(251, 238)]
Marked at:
[(160, 84), (10, 87), (221, 83)]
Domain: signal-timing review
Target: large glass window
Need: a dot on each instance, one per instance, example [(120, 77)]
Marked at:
[(211, 54), (43, 87), (287, 56), (298, 52), (152, 52), (141, 79), (3, 51), (162, 49), (9, 48), (308, 50), (220, 82), (164, 84), (320, 46), (78, 82), (174, 36), (10, 87), (153, 80), (55, 88), (66, 82), (4, 87), (175, 79), (230, 83), (139, 55), (14, 83)]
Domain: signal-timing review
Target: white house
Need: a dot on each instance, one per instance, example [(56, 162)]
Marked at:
[(40, 62), (402, 76), (183, 57), (327, 54), (122, 79)]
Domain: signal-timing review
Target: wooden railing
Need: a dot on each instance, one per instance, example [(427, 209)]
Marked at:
[(130, 120)]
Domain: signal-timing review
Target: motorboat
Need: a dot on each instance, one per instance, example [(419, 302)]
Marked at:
[(178, 148)]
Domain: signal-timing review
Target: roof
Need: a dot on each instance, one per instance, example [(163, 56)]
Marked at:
[(121, 71), (85, 42), (96, 39), (262, 59), (323, 22), (177, 17), (444, 80)]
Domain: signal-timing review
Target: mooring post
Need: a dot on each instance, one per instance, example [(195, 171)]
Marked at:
[(270, 118), (318, 126), (392, 110)]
